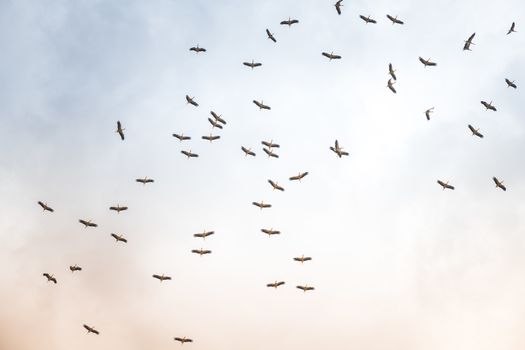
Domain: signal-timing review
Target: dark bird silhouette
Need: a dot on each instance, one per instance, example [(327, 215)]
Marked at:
[(247, 151), (428, 111), (118, 208), (162, 277), (391, 71), (198, 49), (488, 106), (394, 20), (299, 177), (270, 144), (275, 284), (276, 186), (338, 6), (270, 153), (261, 105), (87, 223), (367, 19), (201, 251), (145, 180), (211, 137), (331, 56), (262, 205), (120, 130), (181, 137), (445, 185), (270, 36), (215, 124), (183, 340), (475, 131), (90, 329), (270, 232), (511, 30), (499, 183), (289, 22), (119, 238), (390, 85), (469, 42), (189, 154), (252, 65), (302, 258), (75, 268), (218, 118), (45, 207), (305, 288), (338, 150), (204, 234), (50, 278), (191, 101), (510, 83), (427, 62)]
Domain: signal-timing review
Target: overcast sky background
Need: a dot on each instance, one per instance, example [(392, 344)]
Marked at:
[(398, 263)]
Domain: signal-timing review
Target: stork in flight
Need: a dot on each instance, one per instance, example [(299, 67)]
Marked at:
[(302, 258), (394, 20), (183, 340), (275, 284), (469, 42), (214, 123), (511, 30), (270, 35), (427, 62), (270, 153), (488, 106), (118, 208), (45, 207), (204, 234), (391, 71), (197, 49), (189, 154), (87, 223), (145, 180), (367, 19), (305, 288), (331, 56), (201, 251), (299, 176), (261, 105), (338, 150), (50, 278), (120, 130), (428, 111), (289, 22), (191, 101), (270, 232), (211, 137), (162, 277), (475, 132), (276, 186), (338, 6), (270, 144), (90, 329), (499, 183), (510, 83), (247, 151), (218, 118), (262, 205), (181, 137), (390, 85), (74, 268), (119, 238), (252, 65), (445, 185)]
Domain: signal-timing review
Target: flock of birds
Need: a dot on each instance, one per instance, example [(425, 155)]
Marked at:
[(269, 148)]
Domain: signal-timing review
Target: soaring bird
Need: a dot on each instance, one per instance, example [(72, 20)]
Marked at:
[(270, 36), (276, 186), (218, 118), (145, 180), (270, 144), (214, 123), (302, 258), (289, 22), (50, 278), (391, 71), (74, 268), (488, 106), (445, 185), (390, 85), (181, 137), (499, 183), (475, 131), (305, 288), (119, 238), (198, 49), (428, 111), (367, 19), (270, 153), (469, 42), (299, 177), (201, 251), (90, 329), (338, 150), (261, 105), (87, 223), (510, 83), (120, 130), (191, 101), (204, 234), (338, 6), (394, 20), (45, 207), (427, 62), (331, 56), (211, 137), (118, 208), (162, 277), (270, 232), (183, 340), (511, 30), (252, 65), (247, 151), (275, 284), (262, 205), (189, 154)]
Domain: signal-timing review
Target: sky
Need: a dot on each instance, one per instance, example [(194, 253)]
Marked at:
[(398, 263)]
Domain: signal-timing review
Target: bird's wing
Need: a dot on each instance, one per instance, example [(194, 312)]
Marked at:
[(325, 54)]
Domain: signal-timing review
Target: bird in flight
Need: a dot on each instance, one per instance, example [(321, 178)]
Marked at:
[(390, 85), (204, 234), (338, 6), (218, 118), (270, 36), (391, 71), (262, 205), (499, 183), (181, 137), (118, 208), (119, 238), (50, 278), (305, 288), (469, 42), (428, 111), (510, 83), (75, 268), (331, 56), (367, 19), (183, 340), (87, 223), (275, 284), (45, 207), (299, 177), (191, 101), (211, 137), (252, 65), (289, 22), (338, 150), (90, 329), (197, 49), (270, 232), (276, 186), (120, 130), (270, 144), (201, 251), (302, 258), (247, 151), (215, 124), (270, 153), (511, 30), (475, 132), (261, 105), (427, 62), (394, 20), (445, 185), (145, 180), (162, 277), (189, 154), (488, 106)]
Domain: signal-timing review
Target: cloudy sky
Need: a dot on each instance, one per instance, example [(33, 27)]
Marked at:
[(398, 263)]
